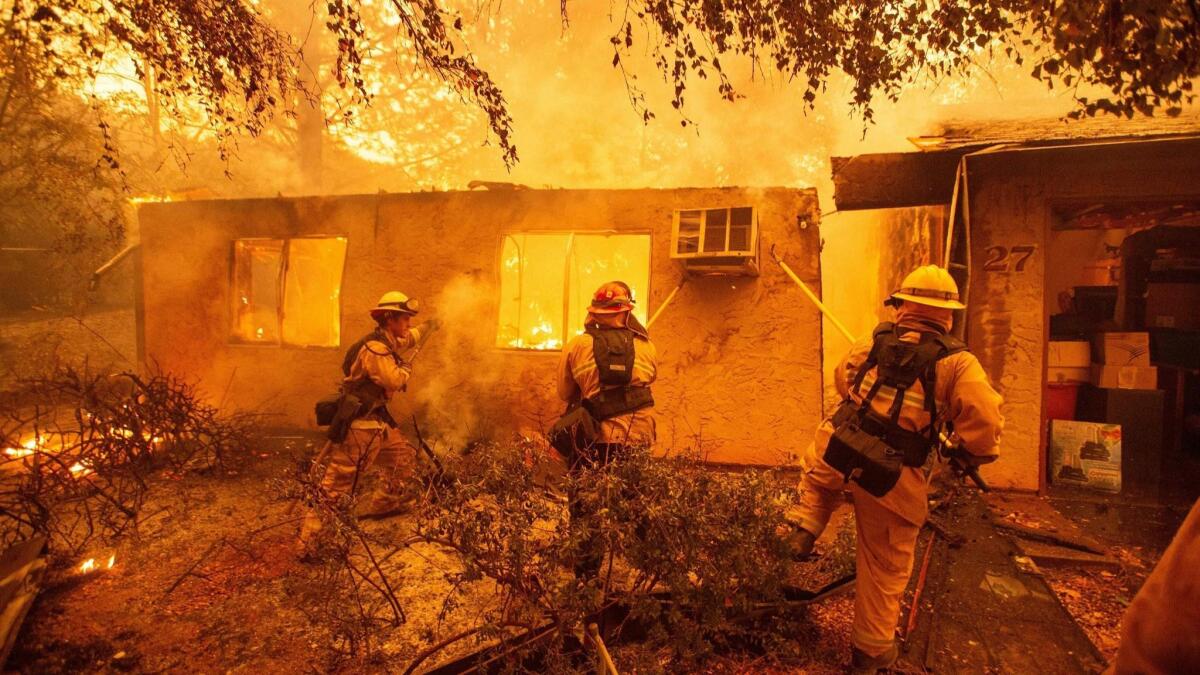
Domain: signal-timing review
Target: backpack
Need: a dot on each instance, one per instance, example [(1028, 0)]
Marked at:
[(870, 449)]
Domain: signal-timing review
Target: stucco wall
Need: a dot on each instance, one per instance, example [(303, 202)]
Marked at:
[(740, 358), (865, 256), (1012, 200)]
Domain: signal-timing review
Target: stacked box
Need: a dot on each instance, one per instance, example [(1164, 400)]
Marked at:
[(1085, 454), (1122, 361), (1173, 305), (1068, 361), (1122, 349), (1140, 415)]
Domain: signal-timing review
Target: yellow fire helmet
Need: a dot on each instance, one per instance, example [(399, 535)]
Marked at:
[(928, 285), (395, 301)]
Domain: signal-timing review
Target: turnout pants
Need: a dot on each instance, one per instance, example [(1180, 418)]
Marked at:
[(884, 561), (385, 448), (581, 509)]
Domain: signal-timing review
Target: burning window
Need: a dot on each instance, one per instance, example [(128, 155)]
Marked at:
[(547, 281), (729, 231), (287, 291)]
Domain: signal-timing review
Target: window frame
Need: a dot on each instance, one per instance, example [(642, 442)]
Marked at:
[(572, 234), (724, 252), (281, 285)]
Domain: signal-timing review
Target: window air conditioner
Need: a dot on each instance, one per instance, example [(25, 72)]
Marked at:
[(716, 241)]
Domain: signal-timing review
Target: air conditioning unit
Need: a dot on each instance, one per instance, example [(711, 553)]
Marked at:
[(717, 241)]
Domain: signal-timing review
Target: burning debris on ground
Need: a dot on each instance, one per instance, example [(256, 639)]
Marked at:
[(82, 448), (224, 548)]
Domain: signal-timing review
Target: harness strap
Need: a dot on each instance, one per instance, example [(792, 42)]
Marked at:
[(914, 445), (610, 403), (873, 356)]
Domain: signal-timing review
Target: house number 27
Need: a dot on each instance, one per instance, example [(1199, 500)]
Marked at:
[(1000, 257)]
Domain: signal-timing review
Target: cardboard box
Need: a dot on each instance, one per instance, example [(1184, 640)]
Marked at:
[(1065, 375), (1121, 349), (1173, 305), (1085, 454), (1125, 377), (1069, 354), (1177, 348), (1140, 415)]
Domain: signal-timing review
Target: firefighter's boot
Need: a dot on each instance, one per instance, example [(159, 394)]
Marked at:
[(862, 663), (382, 506)]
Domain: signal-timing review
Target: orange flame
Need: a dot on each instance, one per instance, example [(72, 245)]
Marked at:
[(91, 565)]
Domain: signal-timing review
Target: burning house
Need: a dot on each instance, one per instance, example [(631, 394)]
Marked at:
[(257, 300)]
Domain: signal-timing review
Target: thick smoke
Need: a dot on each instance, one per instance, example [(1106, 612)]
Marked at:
[(459, 368)]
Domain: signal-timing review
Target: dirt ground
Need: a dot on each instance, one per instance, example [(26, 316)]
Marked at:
[(211, 584)]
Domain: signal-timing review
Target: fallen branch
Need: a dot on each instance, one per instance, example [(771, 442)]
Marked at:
[(190, 571), (1048, 538)]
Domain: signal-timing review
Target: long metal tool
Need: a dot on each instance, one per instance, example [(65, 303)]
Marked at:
[(915, 609), (437, 464), (658, 312), (412, 353), (812, 296)]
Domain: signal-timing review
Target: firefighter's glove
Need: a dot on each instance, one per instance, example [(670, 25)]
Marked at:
[(799, 542), (965, 464), (432, 325)]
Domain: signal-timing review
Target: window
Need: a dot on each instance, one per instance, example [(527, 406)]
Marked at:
[(287, 291), (721, 232), (547, 282)]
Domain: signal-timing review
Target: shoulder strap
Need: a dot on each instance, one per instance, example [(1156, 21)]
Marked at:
[(363, 343), (883, 329), (950, 345), (946, 345)]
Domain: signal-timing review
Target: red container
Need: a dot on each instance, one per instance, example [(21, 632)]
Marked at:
[(1060, 400)]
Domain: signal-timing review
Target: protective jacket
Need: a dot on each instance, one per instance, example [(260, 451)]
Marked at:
[(375, 372), (610, 370), (870, 449), (962, 395), (1160, 633)]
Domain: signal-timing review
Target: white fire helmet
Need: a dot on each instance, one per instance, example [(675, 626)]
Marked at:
[(928, 285), (395, 301)]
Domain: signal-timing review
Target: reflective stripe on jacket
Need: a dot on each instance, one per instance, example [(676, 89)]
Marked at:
[(964, 396), (376, 361), (579, 378)]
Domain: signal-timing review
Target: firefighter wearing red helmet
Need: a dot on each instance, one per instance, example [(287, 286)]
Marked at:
[(604, 375)]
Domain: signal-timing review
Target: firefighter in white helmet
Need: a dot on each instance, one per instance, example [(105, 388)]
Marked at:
[(901, 386), (363, 434), (604, 375)]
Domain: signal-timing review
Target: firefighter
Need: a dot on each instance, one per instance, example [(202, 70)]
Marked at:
[(363, 433), (901, 386), (1160, 632), (605, 375)]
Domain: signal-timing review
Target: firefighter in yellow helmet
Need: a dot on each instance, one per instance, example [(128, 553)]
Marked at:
[(902, 385), (605, 375), (363, 433)]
